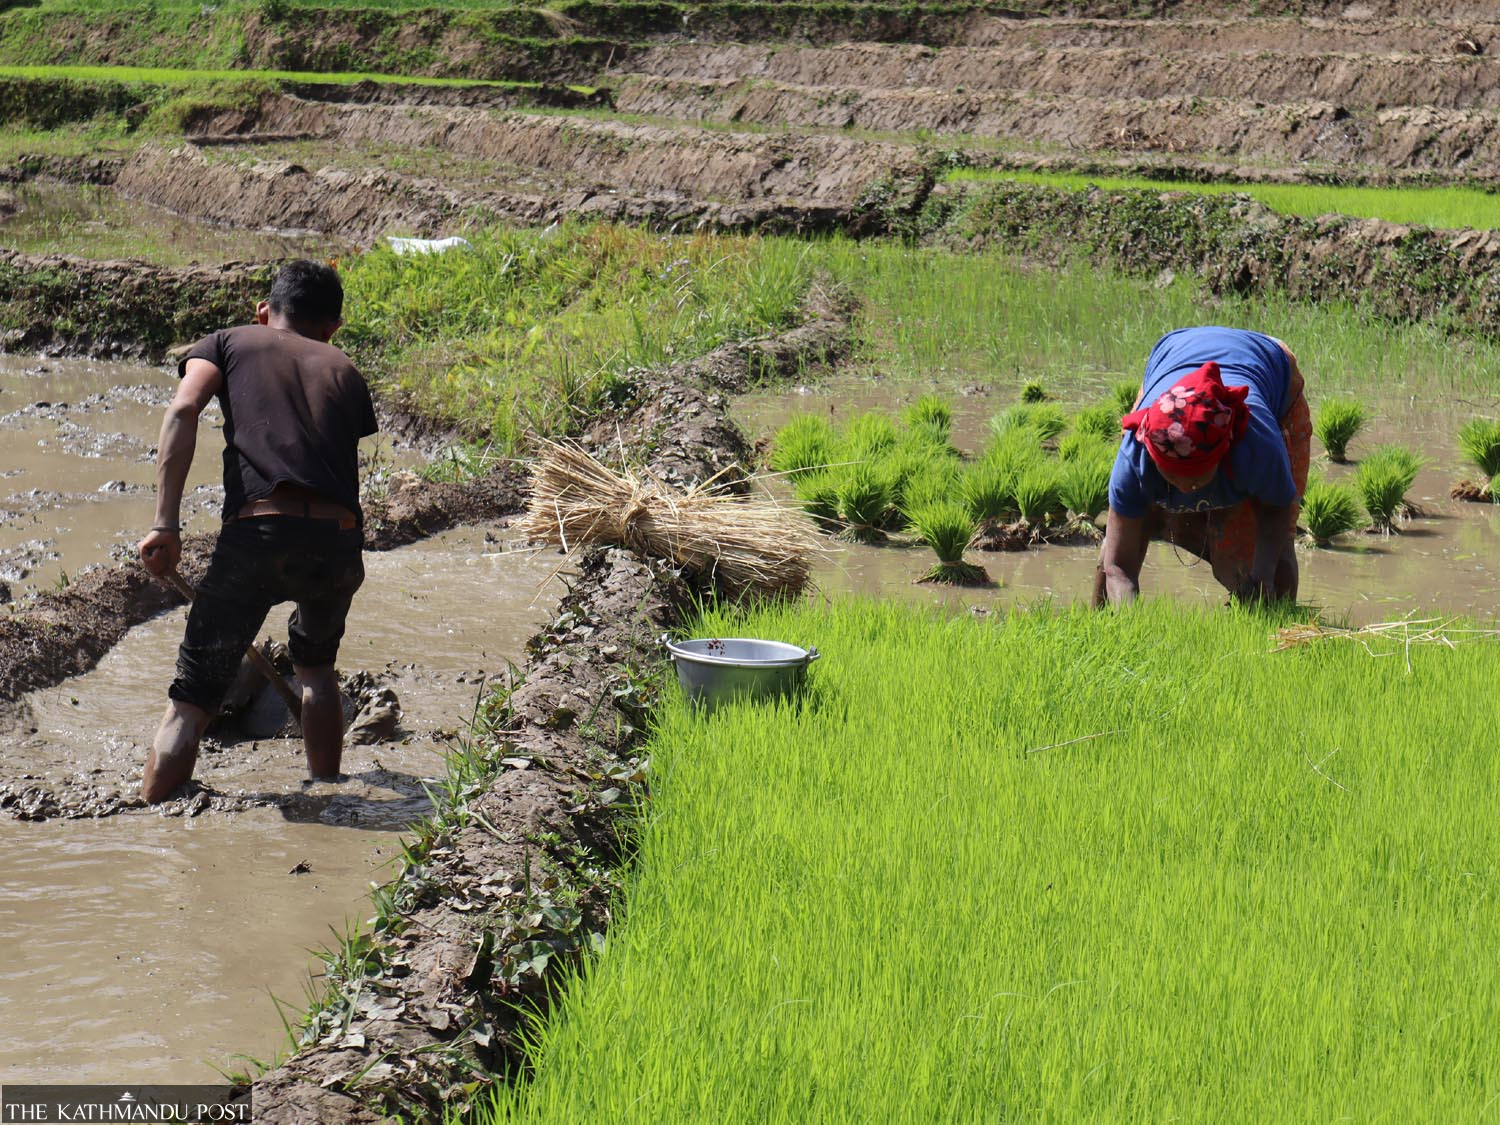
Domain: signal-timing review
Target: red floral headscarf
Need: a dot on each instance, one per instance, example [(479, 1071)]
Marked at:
[(1188, 430)]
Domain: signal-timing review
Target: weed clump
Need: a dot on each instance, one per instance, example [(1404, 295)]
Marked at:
[(1034, 392), (1382, 481), (1339, 420), (1330, 509), (947, 528)]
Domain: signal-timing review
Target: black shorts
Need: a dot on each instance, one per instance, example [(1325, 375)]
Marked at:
[(257, 563)]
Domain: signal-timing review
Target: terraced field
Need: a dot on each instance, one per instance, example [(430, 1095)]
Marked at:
[(669, 204), (783, 115)]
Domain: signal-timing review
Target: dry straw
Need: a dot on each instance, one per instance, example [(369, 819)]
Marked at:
[(745, 544)]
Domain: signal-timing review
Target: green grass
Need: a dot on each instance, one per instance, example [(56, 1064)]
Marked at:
[(911, 899), (535, 330), (1441, 207), (932, 316)]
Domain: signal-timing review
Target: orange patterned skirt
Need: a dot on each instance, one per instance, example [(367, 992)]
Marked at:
[(1226, 538)]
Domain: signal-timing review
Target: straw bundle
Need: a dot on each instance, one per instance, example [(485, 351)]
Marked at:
[(747, 545)]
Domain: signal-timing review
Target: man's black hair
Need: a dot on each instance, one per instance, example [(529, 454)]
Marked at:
[(307, 291)]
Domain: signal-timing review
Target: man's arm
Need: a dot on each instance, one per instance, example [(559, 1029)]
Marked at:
[(201, 380), (1121, 558)]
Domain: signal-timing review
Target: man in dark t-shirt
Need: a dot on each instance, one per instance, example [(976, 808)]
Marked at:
[(294, 411)]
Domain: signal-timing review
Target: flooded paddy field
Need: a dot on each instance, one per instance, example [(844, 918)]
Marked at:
[(1441, 560), (148, 946)]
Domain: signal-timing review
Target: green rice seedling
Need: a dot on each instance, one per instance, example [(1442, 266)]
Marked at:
[(1382, 481), (1338, 421), (931, 412), (1039, 493), (940, 479), (905, 463), (1043, 421), (866, 502), (1034, 392), (961, 786), (1084, 487), (947, 528), (1479, 438), (1011, 453), (868, 435), (1125, 395), (988, 492), (1077, 446), (818, 493), (1099, 421), (805, 443), (1330, 509)]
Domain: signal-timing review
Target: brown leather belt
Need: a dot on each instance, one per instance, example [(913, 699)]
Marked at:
[(306, 509)]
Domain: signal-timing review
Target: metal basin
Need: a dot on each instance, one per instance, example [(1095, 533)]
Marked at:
[(717, 669)]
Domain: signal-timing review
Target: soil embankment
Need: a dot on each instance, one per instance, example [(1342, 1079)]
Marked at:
[(1237, 245), (51, 303)]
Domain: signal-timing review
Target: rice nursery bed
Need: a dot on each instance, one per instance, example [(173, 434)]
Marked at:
[(1075, 865)]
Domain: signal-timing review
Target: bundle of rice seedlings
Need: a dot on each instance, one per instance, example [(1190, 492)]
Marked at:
[(867, 436), (1043, 421), (745, 545), (1382, 480), (1087, 447), (1479, 439), (1034, 392), (1011, 453), (988, 492), (1039, 493), (906, 463), (1330, 509), (866, 502), (806, 442), (1098, 421), (929, 413), (938, 480), (1084, 487), (1124, 395), (945, 527), (1337, 423), (817, 492)]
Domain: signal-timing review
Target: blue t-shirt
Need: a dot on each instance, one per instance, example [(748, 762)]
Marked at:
[(1257, 463)]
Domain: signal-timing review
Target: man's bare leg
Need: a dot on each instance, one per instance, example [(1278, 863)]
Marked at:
[(174, 752), (322, 721)]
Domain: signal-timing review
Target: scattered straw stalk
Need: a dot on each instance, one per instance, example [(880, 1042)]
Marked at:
[(747, 545)]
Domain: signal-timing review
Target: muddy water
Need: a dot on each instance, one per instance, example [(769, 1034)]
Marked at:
[(147, 948), (96, 222), (144, 947), (1441, 562), (77, 474)]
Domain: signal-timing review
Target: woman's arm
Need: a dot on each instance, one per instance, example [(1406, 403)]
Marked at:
[(1121, 559)]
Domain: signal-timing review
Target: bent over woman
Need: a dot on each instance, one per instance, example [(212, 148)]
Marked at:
[(1214, 459)]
